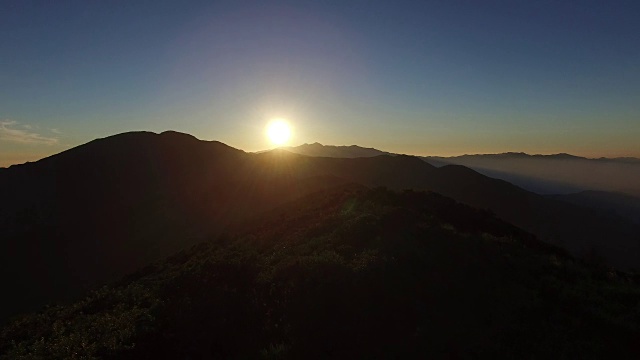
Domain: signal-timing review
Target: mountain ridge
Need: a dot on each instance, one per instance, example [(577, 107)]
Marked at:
[(319, 146), (544, 174), (117, 203), (348, 151), (351, 273)]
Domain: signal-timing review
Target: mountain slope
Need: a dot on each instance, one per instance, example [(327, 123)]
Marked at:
[(352, 273), (542, 174), (553, 174), (103, 209), (98, 211), (615, 204), (583, 231)]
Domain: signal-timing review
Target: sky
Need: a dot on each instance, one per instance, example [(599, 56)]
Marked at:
[(417, 77)]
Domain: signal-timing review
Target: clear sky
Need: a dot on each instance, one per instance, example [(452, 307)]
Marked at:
[(420, 77)]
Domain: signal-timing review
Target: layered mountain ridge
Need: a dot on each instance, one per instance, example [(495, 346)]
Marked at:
[(96, 212)]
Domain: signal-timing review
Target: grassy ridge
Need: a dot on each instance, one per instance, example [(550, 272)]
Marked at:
[(352, 273)]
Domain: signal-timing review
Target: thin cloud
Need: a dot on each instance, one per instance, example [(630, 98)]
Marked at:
[(11, 131)]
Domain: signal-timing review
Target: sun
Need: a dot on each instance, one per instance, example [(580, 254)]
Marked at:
[(278, 131)]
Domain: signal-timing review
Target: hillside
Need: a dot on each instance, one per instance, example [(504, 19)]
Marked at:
[(91, 214), (616, 204), (554, 174), (98, 211), (351, 273), (542, 174), (583, 231)]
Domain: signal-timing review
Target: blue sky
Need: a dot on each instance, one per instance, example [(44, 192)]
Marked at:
[(422, 77)]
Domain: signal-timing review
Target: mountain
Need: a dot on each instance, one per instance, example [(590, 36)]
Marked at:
[(103, 209), (583, 231), (319, 150), (616, 204), (98, 211), (351, 273), (554, 174), (543, 174)]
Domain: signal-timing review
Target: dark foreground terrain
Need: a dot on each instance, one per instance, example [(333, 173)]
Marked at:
[(351, 273), (92, 214)]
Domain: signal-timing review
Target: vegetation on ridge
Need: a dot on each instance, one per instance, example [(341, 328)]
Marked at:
[(351, 273)]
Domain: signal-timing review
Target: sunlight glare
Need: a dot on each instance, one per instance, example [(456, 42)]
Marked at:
[(278, 132)]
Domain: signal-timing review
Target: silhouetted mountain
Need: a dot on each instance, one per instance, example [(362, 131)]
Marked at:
[(554, 174), (613, 203), (582, 231), (351, 274), (543, 174), (98, 211), (319, 150)]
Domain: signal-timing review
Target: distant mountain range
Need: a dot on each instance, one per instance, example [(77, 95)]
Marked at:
[(554, 174), (103, 209), (542, 174), (609, 184), (319, 150)]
